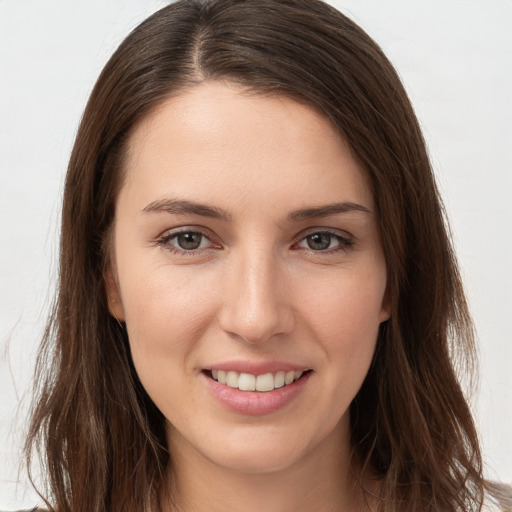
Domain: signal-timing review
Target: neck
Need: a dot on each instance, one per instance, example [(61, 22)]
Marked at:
[(321, 481)]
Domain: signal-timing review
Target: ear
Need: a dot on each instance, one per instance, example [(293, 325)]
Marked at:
[(115, 305), (385, 312)]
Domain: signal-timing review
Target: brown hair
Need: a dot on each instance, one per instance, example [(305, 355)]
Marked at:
[(100, 438)]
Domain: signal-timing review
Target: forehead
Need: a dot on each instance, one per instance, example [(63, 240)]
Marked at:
[(219, 142)]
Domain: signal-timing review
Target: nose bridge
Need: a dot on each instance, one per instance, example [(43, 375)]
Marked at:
[(256, 305)]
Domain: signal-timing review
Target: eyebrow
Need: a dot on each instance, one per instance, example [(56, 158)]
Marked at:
[(326, 210), (181, 206), (178, 206)]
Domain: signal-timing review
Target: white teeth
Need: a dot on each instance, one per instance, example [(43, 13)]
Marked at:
[(248, 382), (232, 379), (265, 382), (279, 380)]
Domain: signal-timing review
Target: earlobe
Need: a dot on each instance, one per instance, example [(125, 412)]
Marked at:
[(115, 305), (385, 312)]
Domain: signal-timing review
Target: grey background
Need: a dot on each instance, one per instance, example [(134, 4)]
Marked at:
[(456, 61)]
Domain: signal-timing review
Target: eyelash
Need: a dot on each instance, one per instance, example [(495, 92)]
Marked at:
[(345, 242), (164, 241)]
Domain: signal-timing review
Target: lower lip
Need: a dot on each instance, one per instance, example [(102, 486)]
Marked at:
[(255, 403)]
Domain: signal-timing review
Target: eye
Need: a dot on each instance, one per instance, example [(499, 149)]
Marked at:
[(325, 241), (185, 242), (189, 241)]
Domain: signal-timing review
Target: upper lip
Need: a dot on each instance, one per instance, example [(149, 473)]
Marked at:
[(257, 368)]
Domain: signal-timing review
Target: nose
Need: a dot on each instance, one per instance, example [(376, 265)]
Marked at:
[(256, 304)]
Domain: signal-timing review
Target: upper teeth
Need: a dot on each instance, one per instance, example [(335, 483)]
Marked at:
[(249, 382)]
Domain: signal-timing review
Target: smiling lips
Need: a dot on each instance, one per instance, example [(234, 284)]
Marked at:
[(256, 393), (248, 382)]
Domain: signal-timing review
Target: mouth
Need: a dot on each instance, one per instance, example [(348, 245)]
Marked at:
[(261, 383)]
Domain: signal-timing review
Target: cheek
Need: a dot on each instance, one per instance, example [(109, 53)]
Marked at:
[(167, 315), (344, 316), (166, 311), (345, 305), (349, 336)]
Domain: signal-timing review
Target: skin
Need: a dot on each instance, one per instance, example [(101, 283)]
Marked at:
[(254, 291)]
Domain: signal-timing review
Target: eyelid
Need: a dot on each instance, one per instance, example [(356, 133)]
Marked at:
[(346, 239), (164, 239), (186, 229)]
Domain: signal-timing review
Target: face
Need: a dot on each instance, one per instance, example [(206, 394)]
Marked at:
[(250, 275)]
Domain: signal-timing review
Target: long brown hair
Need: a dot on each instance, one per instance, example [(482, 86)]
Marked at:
[(99, 436)]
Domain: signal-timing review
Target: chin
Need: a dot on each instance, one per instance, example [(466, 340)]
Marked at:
[(273, 448), (245, 449), (257, 459)]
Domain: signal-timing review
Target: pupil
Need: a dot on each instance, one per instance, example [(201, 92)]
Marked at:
[(319, 241), (189, 241)]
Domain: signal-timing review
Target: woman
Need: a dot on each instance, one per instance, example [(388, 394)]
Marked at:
[(258, 301)]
